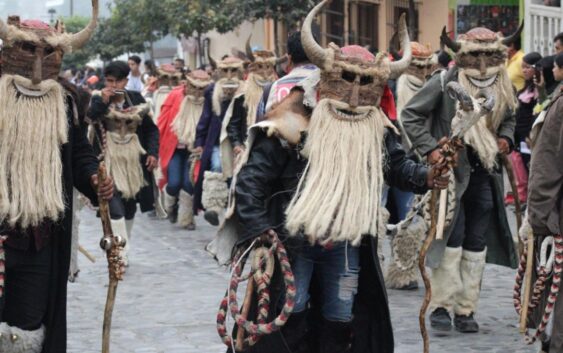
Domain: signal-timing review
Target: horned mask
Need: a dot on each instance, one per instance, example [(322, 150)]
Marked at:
[(352, 75), (34, 50), (481, 52)]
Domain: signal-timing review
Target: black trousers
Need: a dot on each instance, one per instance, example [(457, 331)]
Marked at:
[(28, 277), (476, 208), (122, 208)]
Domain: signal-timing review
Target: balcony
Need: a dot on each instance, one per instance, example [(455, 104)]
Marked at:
[(542, 24)]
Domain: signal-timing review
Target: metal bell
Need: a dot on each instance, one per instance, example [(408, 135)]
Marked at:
[(105, 243), (15, 338)]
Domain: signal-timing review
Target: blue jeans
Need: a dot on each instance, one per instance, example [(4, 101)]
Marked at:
[(338, 268), (403, 202), (179, 174), (216, 160)]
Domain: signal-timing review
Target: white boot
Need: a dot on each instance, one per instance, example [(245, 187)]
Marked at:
[(472, 267), (186, 211), (15, 340), (446, 280), (214, 196), (170, 206), (119, 227)]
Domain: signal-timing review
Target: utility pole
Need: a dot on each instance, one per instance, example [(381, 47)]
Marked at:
[(71, 8)]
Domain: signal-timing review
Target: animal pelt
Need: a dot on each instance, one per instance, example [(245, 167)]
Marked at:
[(26, 341), (471, 267), (446, 280), (404, 250), (185, 210), (124, 165), (32, 131), (410, 234), (215, 191)]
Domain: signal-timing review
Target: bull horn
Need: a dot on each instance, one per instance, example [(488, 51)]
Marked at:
[(316, 54), (78, 40), (249, 54), (394, 45), (399, 66), (514, 36), (448, 42)]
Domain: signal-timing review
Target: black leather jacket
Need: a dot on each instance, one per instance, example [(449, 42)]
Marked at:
[(237, 129), (267, 182)]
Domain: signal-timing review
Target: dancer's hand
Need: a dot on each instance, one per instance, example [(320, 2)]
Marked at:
[(436, 181), (238, 150), (105, 191), (151, 163), (503, 145)]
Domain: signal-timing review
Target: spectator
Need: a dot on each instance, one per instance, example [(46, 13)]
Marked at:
[(135, 83), (150, 71), (527, 100), (558, 43), (180, 65), (514, 64)]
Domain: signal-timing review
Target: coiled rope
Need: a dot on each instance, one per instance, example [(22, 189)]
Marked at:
[(547, 265), (259, 278)]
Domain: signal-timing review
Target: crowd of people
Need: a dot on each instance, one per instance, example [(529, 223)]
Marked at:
[(321, 152)]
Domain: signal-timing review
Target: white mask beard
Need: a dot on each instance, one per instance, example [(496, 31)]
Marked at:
[(221, 94), (252, 96), (339, 195), (32, 131), (185, 122), (124, 164), (405, 91), (482, 136)]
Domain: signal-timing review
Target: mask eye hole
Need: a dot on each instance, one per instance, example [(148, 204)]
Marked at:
[(366, 80), (348, 76), (28, 47), (129, 121), (49, 50), (225, 70)]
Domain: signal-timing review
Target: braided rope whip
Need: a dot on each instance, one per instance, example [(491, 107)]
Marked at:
[(2, 264), (261, 274), (544, 271)]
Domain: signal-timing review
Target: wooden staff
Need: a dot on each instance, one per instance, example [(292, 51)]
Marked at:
[(517, 204), (244, 312), (422, 267), (527, 285), (113, 246)]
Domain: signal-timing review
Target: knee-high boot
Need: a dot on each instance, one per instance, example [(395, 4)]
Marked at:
[(170, 206), (214, 196), (15, 340), (335, 337), (186, 211)]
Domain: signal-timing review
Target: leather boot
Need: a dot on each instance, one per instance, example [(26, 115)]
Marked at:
[(441, 320), (466, 323), (296, 333), (335, 337), (214, 196)]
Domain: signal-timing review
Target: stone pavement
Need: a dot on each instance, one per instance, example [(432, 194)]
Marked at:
[(169, 299)]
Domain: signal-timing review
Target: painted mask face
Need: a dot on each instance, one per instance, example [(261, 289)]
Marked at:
[(423, 61), (230, 72), (34, 50), (168, 76)]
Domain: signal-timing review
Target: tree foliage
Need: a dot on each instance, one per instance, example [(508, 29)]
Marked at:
[(135, 25)]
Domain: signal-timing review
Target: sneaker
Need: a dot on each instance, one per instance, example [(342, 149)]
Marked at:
[(441, 320), (466, 323)]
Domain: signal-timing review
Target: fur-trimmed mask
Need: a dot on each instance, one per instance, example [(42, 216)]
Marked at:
[(197, 82), (481, 53), (353, 76), (262, 66), (168, 76), (34, 50)]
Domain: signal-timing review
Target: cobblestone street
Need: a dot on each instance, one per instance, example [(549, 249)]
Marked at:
[(169, 299)]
